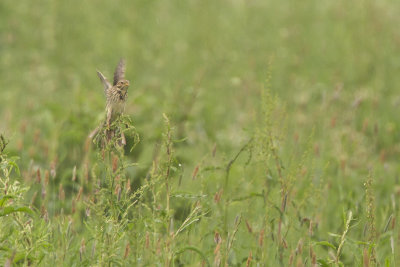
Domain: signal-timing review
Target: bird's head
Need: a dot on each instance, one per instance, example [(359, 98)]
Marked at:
[(123, 84)]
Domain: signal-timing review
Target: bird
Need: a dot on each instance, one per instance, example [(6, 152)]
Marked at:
[(116, 95)]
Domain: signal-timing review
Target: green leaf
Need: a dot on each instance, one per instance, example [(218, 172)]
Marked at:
[(10, 209), (21, 256), (4, 248), (323, 263), (333, 234), (3, 199), (13, 163), (325, 243)]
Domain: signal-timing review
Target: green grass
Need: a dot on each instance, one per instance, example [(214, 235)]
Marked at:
[(263, 133)]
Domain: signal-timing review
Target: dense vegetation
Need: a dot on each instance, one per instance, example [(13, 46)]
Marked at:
[(260, 133)]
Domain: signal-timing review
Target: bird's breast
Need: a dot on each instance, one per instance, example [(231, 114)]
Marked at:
[(118, 107)]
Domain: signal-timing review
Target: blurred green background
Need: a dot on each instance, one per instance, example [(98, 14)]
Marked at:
[(334, 66), (204, 64)]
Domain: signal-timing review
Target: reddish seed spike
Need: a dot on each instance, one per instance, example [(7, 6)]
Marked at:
[(296, 137), (114, 163), (87, 145), (20, 145), (36, 135), (291, 258), (79, 194), (249, 259), (284, 243), (158, 246), (343, 164), (316, 150), (23, 127), (299, 262), (217, 238), (32, 151), (365, 258), (46, 177), (42, 210), (73, 206), (313, 258), (382, 156), (299, 248), (147, 244), (376, 128), (248, 227), (195, 171), (45, 148), (61, 193), (127, 249), (261, 238), (46, 216), (118, 191), (38, 176), (128, 186), (217, 196)]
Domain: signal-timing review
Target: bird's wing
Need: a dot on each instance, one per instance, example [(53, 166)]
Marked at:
[(104, 81), (119, 73)]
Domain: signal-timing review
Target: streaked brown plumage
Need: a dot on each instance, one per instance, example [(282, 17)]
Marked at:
[(116, 93)]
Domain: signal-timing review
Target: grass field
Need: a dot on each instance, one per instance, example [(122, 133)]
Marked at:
[(261, 133)]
